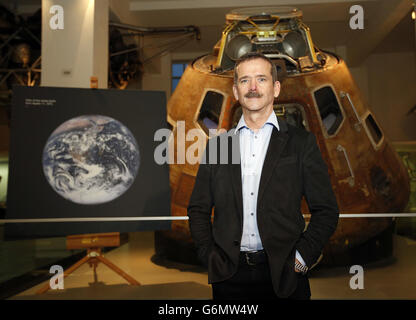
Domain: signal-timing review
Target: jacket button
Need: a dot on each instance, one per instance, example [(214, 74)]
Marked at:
[(236, 242)]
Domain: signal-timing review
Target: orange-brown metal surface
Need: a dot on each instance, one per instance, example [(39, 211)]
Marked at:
[(354, 195)]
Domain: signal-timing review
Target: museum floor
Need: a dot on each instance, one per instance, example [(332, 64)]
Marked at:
[(395, 279)]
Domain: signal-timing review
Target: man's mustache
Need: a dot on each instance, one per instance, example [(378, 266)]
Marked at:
[(253, 94)]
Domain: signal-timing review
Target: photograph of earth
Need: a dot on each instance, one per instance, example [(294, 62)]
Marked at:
[(91, 159)]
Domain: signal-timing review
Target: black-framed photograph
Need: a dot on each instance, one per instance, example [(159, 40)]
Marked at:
[(85, 153)]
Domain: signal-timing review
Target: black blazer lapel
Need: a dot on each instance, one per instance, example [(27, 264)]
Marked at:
[(277, 143)]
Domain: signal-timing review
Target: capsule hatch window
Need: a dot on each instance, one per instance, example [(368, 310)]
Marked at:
[(209, 114), (329, 109), (292, 113), (178, 68), (373, 130)]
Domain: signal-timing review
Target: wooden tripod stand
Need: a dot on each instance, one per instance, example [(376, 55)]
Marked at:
[(94, 244)]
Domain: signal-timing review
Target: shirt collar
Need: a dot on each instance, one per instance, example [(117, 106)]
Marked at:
[(272, 119)]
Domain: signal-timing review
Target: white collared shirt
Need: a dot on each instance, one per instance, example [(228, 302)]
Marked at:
[(253, 149)]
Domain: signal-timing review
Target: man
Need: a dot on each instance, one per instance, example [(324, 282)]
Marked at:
[(257, 246)]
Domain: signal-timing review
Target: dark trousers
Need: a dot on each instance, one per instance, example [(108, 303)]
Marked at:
[(253, 281)]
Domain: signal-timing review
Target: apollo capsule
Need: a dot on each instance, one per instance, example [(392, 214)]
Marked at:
[(317, 94)]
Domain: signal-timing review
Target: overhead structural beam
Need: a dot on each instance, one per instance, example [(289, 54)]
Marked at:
[(377, 26), (160, 30), (151, 5)]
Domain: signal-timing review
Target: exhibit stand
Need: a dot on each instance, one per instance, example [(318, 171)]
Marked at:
[(94, 243)]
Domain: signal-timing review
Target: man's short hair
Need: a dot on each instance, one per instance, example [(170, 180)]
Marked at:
[(251, 56)]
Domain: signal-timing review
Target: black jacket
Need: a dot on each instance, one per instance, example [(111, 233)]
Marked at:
[(293, 168)]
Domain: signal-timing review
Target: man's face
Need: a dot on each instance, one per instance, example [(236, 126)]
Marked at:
[(255, 89)]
